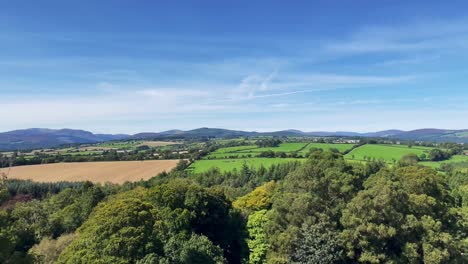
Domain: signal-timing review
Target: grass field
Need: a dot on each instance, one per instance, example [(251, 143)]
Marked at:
[(387, 153), (234, 149), (230, 164), (284, 147), (253, 150), (458, 161), (101, 172), (326, 146), (232, 155)]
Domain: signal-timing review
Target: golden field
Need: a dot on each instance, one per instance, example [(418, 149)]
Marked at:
[(99, 172)]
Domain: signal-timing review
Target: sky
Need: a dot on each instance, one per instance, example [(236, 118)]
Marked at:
[(127, 66)]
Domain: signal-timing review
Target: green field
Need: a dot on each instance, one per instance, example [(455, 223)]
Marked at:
[(387, 153), (413, 147), (326, 146), (120, 144), (458, 161), (230, 164), (284, 147), (228, 155), (234, 149), (253, 150)]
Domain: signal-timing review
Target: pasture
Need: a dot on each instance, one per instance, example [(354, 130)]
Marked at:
[(326, 146), (234, 149), (253, 150), (387, 153), (457, 161), (100, 172), (283, 147), (226, 165)]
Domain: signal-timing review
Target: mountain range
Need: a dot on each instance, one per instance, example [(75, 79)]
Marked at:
[(45, 138)]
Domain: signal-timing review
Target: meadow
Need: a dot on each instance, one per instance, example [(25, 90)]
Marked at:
[(327, 146), (234, 149), (225, 165), (387, 153), (229, 158), (100, 172), (283, 147), (253, 150), (458, 161)]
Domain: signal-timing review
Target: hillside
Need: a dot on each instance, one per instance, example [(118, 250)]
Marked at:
[(46, 138)]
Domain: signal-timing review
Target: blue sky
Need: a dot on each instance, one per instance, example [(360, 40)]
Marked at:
[(133, 66)]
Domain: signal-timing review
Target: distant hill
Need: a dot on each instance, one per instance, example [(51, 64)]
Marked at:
[(46, 138), (385, 133), (435, 135), (43, 138)]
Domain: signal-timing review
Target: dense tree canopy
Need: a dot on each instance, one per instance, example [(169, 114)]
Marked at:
[(173, 223)]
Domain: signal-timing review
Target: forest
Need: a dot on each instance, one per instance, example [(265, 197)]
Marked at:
[(322, 210)]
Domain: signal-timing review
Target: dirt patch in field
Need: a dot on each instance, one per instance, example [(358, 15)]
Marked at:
[(100, 172)]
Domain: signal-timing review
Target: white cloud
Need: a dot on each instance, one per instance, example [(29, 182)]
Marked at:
[(257, 86), (419, 36)]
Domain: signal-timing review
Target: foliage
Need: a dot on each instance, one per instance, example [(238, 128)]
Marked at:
[(28, 223), (48, 250), (269, 142), (257, 240), (317, 243), (402, 215), (408, 160), (439, 155), (258, 199), (173, 222), (315, 192)]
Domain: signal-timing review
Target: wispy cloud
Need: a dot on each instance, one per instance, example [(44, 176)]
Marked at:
[(418, 36), (410, 60), (280, 85)]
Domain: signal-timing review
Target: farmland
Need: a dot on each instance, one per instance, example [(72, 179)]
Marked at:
[(229, 158), (301, 148), (128, 145), (100, 172), (326, 146), (457, 161), (284, 147), (387, 153), (253, 150), (225, 165)]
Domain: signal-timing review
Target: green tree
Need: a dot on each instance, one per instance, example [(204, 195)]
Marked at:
[(258, 199), (408, 160), (48, 250), (404, 215), (317, 243), (257, 241), (318, 191)]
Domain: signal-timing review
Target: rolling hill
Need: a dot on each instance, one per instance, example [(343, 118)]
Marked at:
[(43, 138)]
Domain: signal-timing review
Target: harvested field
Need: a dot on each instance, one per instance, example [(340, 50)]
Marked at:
[(100, 172)]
